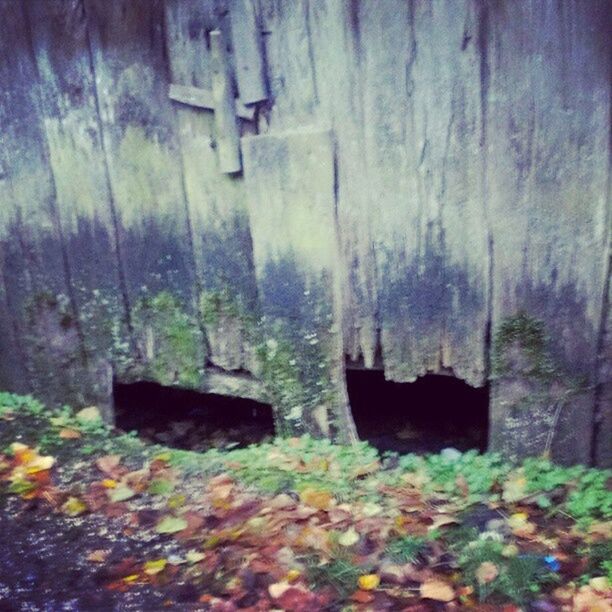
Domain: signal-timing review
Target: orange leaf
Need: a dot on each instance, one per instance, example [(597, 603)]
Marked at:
[(362, 597)]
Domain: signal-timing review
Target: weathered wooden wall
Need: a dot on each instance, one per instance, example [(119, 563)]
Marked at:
[(421, 186)]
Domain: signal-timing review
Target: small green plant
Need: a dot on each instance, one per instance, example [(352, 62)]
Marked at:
[(406, 549), (518, 578), (341, 574)]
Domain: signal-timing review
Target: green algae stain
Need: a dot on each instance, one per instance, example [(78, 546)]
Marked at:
[(170, 341)]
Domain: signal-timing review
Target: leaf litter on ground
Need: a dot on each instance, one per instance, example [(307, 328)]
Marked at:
[(301, 524)]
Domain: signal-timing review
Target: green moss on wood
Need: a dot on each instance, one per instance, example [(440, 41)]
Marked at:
[(168, 332), (527, 334)]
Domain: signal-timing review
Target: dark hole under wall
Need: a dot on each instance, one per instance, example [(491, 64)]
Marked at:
[(428, 415), (190, 420)]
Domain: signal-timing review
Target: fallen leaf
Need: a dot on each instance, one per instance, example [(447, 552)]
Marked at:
[(321, 500), (155, 567), (368, 582), (600, 584), (514, 488), (89, 415), (69, 434), (171, 524), (73, 506), (277, 589), (120, 493), (363, 597), (108, 463), (109, 483), (442, 519), (194, 556), (486, 572), (437, 590), (349, 537)]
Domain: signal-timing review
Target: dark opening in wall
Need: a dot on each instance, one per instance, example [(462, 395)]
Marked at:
[(190, 420), (433, 413)]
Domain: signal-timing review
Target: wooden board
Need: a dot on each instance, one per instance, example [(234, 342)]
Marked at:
[(335, 41), (547, 175), (421, 115), (290, 184), (83, 199), (216, 201), (139, 131), (38, 303)]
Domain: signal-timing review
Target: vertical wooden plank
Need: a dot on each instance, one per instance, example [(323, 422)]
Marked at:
[(228, 137), (422, 140), (139, 129), (247, 49), (36, 293), (335, 37), (546, 82), (217, 206), (290, 185), (84, 201)]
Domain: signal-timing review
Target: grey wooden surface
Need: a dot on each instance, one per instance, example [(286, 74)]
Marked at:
[(471, 173)]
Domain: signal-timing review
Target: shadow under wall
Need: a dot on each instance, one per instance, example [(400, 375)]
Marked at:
[(190, 420), (433, 413)]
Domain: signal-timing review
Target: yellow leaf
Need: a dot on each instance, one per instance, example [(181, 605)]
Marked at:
[(437, 590), (155, 567), (368, 582), (518, 519), (131, 578), (74, 506), (292, 575), (40, 464), (109, 483)]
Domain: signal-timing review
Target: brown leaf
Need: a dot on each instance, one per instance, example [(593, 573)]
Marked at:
[(437, 590)]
